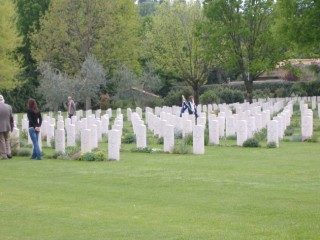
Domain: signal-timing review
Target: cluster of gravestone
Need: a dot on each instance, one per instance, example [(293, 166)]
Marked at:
[(241, 120)]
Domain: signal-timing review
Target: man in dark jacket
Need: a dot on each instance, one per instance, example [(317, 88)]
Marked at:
[(6, 126)]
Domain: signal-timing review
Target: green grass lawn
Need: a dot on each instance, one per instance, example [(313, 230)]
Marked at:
[(228, 193)]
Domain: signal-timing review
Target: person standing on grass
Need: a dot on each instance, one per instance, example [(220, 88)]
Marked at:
[(6, 126), (71, 107), (35, 120)]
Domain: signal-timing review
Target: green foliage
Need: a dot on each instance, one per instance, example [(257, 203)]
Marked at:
[(181, 147), (174, 97), (174, 44), (313, 139), (188, 139), (289, 131), (310, 88), (297, 23), (178, 133), (206, 137), (293, 73), (240, 33), (251, 143), (24, 152), (222, 95), (93, 156), (209, 97), (71, 151), (271, 145), (232, 137), (28, 17), (261, 136), (15, 145), (85, 29), (24, 134), (296, 138), (228, 95), (129, 138), (142, 150), (9, 41), (53, 143), (160, 140)]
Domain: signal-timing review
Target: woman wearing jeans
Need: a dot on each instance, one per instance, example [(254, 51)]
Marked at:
[(35, 120)]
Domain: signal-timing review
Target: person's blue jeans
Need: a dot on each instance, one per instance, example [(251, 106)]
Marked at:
[(36, 153)]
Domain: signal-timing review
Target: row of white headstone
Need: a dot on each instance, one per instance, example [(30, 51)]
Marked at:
[(166, 121)]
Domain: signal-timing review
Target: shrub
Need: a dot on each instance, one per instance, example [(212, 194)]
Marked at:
[(188, 139), (259, 93), (99, 156), (70, 151), (251, 142), (174, 96), (289, 131), (209, 97), (231, 137), (313, 139), (261, 136), (59, 155), (15, 145), (129, 138), (24, 134), (296, 138), (24, 143), (142, 150), (280, 93), (206, 137), (177, 133), (93, 156), (52, 143), (228, 95), (181, 148), (78, 142), (87, 157), (24, 152), (160, 140), (271, 145)]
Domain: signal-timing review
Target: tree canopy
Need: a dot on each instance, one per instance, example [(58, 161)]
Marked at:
[(174, 44), (73, 29), (298, 25), (242, 38), (9, 40)]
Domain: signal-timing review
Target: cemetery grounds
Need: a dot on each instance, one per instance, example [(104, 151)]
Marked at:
[(228, 193)]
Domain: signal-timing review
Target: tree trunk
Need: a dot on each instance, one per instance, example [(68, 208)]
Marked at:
[(88, 103), (249, 89), (195, 89)]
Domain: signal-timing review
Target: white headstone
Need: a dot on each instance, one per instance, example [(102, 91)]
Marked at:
[(198, 139), (60, 140), (168, 139), (85, 141), (242, 133), (214, 132), (113, 145), (71, 135), (141, 136), (272, 134)]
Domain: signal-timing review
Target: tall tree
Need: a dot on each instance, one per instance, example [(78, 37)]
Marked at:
[(298, 24), (83, 86), (73, 29), (9, 40), (174, 45), (242, 38), (28, 16)]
